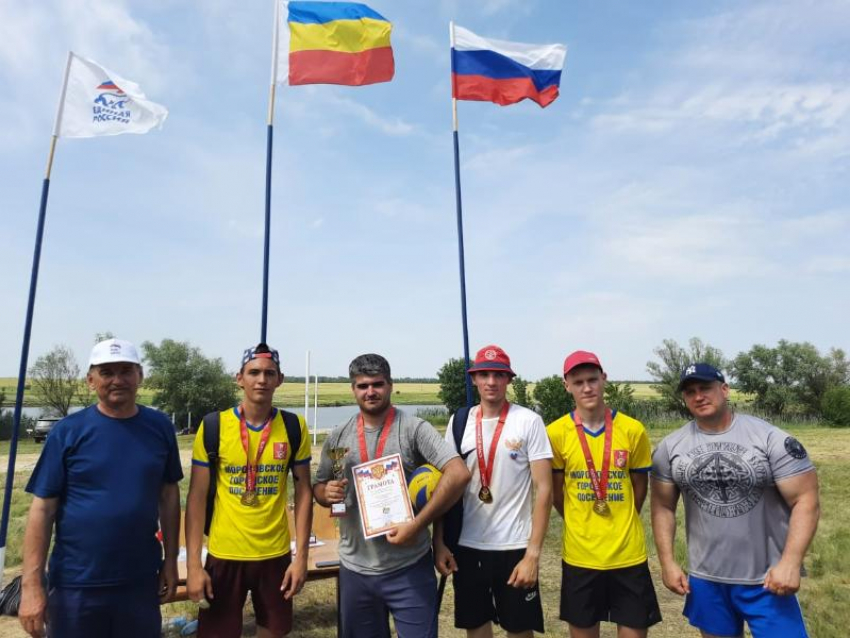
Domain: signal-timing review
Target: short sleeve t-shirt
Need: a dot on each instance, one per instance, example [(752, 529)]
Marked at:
[(505, 523), (108, 475), (418, 443), (590, 540), (735, 518), (258, 532)]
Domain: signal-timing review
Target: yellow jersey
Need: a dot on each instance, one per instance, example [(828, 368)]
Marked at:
[(592, 541), (261, 531)]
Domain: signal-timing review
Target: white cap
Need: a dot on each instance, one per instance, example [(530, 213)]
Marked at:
[(114, 351)]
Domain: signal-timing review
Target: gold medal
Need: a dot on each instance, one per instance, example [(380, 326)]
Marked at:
[(249, 498), (485, 495), (601, 507)]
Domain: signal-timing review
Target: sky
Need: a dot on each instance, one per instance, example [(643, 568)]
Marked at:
[(690, 181)]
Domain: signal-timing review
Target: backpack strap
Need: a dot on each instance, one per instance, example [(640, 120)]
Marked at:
[(459, 425), (293, 433), (453, 518), (212, 438)]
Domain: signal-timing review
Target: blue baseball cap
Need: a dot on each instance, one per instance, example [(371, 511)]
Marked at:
[(261, 351), (700, 372)]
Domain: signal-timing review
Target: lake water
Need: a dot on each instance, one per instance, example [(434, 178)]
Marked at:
[(327, 417)]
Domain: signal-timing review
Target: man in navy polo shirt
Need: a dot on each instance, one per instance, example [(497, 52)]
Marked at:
[(107, 479)]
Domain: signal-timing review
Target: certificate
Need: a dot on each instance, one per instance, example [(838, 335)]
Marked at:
[(382, 495)]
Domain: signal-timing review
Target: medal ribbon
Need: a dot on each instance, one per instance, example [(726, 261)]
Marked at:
[(600, 484), (486, 468), (251, 472), (361, 435)]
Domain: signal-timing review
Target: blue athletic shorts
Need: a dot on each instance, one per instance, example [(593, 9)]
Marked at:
[(721, 609), (409, 594)]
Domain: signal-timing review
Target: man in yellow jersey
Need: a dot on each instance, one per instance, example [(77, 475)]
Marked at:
[(601, 460), (249, 544)]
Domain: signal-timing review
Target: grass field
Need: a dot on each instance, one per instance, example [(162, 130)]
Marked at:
[(825, 594)]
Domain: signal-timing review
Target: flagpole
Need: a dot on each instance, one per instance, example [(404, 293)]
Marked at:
[(269, 140), (459, 208), (25, 346), (315, 409)]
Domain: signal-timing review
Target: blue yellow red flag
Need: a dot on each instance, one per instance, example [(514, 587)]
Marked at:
[(331, 43)]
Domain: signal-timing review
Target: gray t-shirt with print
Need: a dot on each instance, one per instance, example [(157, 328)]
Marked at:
[(735, 518), (418, 443)]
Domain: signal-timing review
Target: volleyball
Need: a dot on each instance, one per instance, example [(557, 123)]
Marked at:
[(421, 485)]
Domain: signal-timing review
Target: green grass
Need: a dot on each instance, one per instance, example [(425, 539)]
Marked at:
[(825, 593)]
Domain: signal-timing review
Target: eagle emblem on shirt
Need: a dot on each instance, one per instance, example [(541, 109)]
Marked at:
[(621, 458), (514, 445)]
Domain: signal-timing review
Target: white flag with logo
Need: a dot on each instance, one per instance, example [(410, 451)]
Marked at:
[(96, 101)]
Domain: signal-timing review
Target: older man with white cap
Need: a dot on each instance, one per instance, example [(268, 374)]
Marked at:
[(107, 478)]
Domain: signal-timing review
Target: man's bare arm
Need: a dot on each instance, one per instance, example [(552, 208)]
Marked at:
[(296, 574), (663, 502), (558, 491), (525, 573), (640, 487), (33, 607), (198, 583), (169, 523), (801, 494), (448, 491)]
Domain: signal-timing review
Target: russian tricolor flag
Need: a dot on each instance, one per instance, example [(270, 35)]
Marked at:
[(505, 72)]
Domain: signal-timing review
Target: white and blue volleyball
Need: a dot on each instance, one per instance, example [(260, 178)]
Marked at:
[(421, 485)]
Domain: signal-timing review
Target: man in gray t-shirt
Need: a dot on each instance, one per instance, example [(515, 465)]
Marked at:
[(751, 510), (393, 572)]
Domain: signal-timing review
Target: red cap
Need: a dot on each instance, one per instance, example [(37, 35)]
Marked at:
[(492, 358), (580, 357)]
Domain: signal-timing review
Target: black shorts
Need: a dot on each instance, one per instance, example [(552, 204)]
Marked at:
[(624, 596), (482, 593)]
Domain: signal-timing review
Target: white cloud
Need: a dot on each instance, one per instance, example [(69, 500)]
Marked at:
[(828, 265)]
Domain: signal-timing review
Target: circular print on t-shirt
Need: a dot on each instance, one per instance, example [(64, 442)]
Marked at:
[(723, 479)]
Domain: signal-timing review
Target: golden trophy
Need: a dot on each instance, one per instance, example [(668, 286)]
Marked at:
[(337, 454)]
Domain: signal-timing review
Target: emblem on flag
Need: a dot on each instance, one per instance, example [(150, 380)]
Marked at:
[(96, 101), (280, 451), (621, 458)]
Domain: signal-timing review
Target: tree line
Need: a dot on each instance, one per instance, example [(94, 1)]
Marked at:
[(787, 381), (790, 380)]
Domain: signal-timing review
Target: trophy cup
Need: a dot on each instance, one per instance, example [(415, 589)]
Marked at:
[(337, 454)]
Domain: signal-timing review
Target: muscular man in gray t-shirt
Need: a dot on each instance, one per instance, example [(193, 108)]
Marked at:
[(393, 572), (751, 510)]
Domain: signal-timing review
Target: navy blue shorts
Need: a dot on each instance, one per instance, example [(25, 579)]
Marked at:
[(722, 608), (130, 611), (409, 594)]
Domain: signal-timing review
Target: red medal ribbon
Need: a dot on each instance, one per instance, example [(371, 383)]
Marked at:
[(361, 435), (486, 468), (251, 472), (600, 484)]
